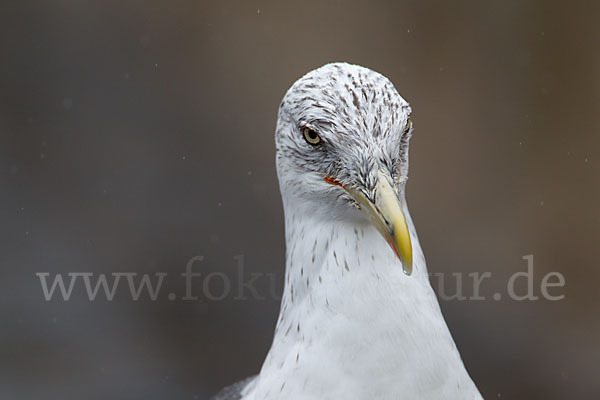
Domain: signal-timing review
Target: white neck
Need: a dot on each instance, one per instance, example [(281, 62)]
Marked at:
[(350, 316)]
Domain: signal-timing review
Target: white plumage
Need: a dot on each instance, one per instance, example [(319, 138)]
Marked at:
[(352, 324)]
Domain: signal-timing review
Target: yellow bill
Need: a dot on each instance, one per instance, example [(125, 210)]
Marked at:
[(387, 216)]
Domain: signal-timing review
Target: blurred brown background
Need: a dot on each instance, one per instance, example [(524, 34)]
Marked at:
[(135, 135)]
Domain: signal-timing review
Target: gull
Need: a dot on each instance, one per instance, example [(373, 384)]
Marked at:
[(359, 318)]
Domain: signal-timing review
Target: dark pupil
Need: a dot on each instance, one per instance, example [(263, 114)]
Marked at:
[(312, 135)]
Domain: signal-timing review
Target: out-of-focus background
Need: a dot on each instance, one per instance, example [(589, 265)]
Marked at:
[(137, 135)]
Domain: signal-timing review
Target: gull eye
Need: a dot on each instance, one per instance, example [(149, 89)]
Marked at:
[(408, 125), (311, 136)]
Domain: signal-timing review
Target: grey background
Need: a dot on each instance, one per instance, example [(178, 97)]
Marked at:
[(135, 135)]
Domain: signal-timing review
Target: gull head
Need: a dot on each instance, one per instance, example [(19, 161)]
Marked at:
[(342, 150)]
